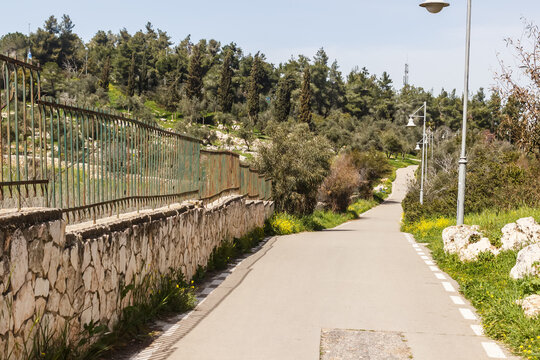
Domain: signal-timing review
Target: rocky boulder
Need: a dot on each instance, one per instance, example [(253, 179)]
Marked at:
[(466, 241), (523, 232), (530, 305), (471, 252), (527, 263)]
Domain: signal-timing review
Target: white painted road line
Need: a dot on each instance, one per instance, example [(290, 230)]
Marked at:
[(467, 314), (429, 262), (416, 245), (424, 257), (477, 329), (493, 350), (433, 268), (440, 276), (448, 287), (457, 300), (421, 253), (171, 330)]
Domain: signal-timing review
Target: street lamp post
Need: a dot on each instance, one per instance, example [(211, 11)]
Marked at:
[(423, 170), (435, 7)]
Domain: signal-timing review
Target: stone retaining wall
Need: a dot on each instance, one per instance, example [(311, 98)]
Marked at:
[(77, 275)]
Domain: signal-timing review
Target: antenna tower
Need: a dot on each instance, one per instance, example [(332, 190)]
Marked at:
[(406, 76)]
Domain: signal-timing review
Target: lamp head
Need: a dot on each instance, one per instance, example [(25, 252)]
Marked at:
[(411, 122), (417, 147), (434, 6)]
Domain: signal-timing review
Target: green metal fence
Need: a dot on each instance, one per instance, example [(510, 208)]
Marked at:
[(219, 174), (104, 163), (93, 163)]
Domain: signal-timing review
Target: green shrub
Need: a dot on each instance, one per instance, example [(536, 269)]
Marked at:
[(372, 166), (297, 161), (498, 176)]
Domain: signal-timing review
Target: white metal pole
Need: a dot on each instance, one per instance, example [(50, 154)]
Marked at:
[(426, 140), (463, 157), (423, 157)]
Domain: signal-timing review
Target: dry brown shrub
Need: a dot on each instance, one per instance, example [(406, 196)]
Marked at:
[(340, 184)]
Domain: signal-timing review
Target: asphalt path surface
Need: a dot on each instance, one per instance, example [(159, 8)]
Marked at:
[(362, 277)]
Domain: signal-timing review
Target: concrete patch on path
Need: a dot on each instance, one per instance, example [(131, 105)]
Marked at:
[(340, 344)]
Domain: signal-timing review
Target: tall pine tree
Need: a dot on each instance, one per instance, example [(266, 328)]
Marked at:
[(319, 83), (284, 90), (225, 86), (194, 78), (305, 99), (131, 77), (104, 78), (253, 89)]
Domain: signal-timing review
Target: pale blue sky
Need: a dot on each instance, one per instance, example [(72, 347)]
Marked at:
[(380, 35)]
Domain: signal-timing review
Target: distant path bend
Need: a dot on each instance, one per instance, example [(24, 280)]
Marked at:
[(363, 275)]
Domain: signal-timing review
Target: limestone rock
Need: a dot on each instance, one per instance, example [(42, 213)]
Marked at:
[(74, 281), (95, 255), (78, 300), (467, 242), (530, 305), (53, 301), (122, 260), (16, 344), (40, 306), (527, 263), (45, 262), (90, 279), (41, 287), (19, 262), (74, 330), (529, 227), (95, 308), (5, 315), (57, 230), (23, 306), (111, 304), (35, 251), (61, 280), (471, 252), (458, 237), (523, 232), (64, 308), (53, 265), (86, 315), (75, 257), (87, 256)]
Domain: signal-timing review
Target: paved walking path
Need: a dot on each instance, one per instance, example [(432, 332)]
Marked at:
[(364, 275)]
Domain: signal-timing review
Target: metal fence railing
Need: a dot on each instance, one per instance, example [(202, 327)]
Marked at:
[(93, 163), (219, 174)]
